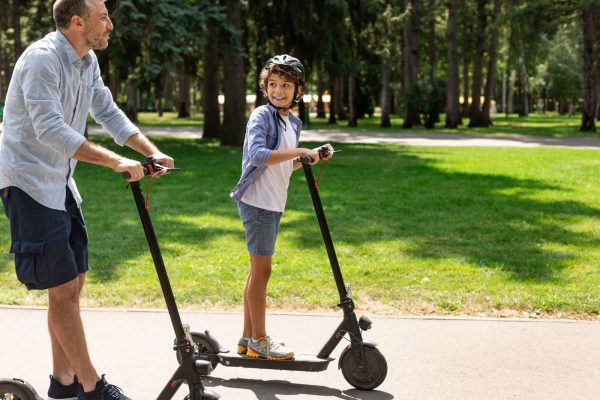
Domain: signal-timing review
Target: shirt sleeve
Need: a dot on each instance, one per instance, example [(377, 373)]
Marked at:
[(257, 131), (106, 112), (39, 76)]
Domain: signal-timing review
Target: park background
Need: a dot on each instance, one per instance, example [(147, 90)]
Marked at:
[(477, 231)]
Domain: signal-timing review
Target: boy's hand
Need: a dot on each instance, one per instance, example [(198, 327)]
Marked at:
[(330, 153), (313, 154)]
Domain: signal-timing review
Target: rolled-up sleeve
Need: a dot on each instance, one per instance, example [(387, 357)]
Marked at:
[(257, 139), (39, 77), (106, 112)]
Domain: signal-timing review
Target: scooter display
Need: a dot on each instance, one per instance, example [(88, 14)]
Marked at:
[(192, 366), (362, 364)]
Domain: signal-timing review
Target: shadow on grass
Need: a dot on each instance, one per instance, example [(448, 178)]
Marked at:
[(374, 193)]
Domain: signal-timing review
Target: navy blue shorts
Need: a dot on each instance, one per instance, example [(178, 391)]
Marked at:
[(50, 246)]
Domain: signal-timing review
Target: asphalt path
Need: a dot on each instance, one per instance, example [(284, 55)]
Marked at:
[(409, 139), (428, 358)]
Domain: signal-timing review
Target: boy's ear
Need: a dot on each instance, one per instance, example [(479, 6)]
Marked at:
[(300, 91)]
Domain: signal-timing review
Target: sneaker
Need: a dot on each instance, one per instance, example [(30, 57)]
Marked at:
[(103, 391), (242, 346), (58, 391), (269, 349)]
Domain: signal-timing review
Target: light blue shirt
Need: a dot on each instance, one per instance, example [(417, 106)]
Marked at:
[(50, 94), (262, 137)]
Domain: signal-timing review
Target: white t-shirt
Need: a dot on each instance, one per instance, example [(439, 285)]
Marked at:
[(269, 191)]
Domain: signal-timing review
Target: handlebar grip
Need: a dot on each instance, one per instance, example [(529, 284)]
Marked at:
[(323, 151), (127, 175), (305, 159)]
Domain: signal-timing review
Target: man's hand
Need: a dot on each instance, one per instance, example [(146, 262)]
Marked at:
[(134, 168), (163, 160), (331, 151)]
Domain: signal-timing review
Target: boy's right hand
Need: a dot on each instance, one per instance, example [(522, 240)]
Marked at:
[(313, 154)]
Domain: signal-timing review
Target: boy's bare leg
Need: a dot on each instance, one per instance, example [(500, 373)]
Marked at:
[(247, 319), (256, 293), (66, 327), (62, 370)]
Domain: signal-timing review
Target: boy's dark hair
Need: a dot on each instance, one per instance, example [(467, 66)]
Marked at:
[(64, 10), (283, 71)]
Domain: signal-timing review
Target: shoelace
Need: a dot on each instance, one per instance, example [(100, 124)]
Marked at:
[(114, 391)]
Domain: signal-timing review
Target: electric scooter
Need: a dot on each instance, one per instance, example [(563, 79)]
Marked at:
[(192, 366), (362, 364)]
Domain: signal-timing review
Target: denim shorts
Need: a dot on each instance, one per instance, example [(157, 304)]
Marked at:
[(50, 246), (261, 228)]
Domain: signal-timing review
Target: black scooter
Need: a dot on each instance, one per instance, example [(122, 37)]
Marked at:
[(192, 366), (362, 365)]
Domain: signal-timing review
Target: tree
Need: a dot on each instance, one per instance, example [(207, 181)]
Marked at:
[(412, 63), (234, 86), (453, 119), (589, 18), (210, 86)]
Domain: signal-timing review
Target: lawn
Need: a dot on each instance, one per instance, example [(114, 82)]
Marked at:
[(549, 124), (478, 231)]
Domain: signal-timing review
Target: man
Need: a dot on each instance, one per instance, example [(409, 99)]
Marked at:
[(55, 84)]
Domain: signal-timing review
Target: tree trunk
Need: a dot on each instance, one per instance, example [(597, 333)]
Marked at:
[(183, 104), (386, 95), (491, 69), (234, 87), (453, 119), (210, 87), (132, 100), (352, 117), (475, 108), (590, 58), (412, 63), (524, 111), (333, 104), (15, 17), (320, 91), (434, 112), (510, 103), (466, 61), (339, 98)]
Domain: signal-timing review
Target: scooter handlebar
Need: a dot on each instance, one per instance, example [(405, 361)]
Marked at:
[(323, 153), (150, 168)]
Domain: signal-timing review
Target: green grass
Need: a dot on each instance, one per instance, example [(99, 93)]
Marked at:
[(417, 230), (549, 124)]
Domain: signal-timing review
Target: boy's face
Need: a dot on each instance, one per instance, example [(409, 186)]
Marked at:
[(280, 91)]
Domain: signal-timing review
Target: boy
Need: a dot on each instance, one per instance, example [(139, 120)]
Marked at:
[(270, 151)]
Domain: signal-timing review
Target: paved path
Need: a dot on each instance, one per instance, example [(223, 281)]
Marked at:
[(428, 358), (431, 139)]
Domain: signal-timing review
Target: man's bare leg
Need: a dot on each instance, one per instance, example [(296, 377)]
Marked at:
[(66, 327)]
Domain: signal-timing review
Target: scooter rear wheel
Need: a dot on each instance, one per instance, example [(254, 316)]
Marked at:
[(366, 375), (16, 390)]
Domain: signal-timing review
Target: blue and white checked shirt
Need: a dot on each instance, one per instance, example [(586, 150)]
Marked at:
[(50, 94)]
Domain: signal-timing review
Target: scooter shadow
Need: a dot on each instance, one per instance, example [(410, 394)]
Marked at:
[(273, 389)]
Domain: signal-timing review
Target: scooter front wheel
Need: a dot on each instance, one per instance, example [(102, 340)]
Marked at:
[(15, 389), (365, 372), (205, 347)]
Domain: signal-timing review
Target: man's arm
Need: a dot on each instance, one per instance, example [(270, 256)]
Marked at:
[(140, 143), (95, 154)]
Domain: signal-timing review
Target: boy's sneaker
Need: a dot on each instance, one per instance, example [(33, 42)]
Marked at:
[(58, 391), (103, 391), (267, 348), (242, 347)]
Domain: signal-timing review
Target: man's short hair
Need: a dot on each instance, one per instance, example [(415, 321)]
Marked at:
[(64, 10)]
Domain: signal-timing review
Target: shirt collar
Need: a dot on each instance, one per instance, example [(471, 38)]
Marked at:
[(68, 48)]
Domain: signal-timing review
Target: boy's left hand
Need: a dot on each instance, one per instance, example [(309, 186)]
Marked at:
[(331, 151)]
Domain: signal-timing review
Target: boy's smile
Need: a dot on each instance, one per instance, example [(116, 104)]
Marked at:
[(280, 91)]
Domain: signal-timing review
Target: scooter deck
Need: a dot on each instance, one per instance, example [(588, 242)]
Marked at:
[(301, 362)]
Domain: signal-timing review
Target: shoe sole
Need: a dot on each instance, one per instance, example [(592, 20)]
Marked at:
[(253, 354), (66, 398), (241, 350)]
